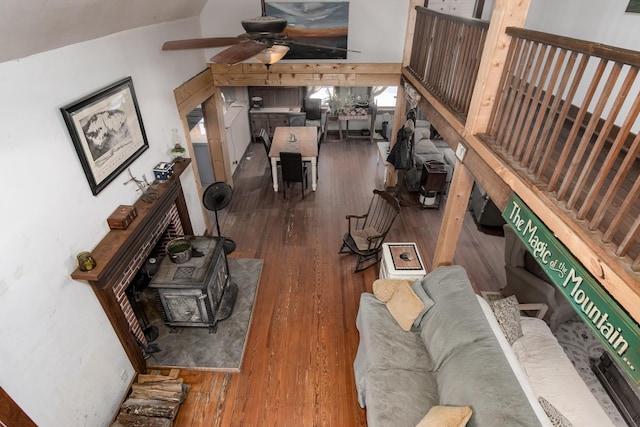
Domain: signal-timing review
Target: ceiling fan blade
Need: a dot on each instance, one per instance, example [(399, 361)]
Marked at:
[(322, 46), (239, 52), (200, 43)]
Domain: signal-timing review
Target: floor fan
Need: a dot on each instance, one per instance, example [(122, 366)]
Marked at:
[(216, 197)]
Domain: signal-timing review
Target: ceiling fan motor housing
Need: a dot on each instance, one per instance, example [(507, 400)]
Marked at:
[(264, 25)]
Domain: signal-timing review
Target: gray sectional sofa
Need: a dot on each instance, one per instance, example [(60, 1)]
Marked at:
[(453, 358)]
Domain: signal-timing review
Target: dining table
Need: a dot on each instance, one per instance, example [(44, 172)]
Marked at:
[(296, 139)]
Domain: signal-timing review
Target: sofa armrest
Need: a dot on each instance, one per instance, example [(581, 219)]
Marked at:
[(540, 309)]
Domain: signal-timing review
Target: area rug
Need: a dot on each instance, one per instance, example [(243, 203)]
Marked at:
[(580, 344), (195, 347)]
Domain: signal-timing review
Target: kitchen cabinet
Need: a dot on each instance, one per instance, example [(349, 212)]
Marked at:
[(270, 118)]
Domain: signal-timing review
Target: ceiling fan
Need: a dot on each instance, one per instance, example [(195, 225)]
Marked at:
[(264, 39)]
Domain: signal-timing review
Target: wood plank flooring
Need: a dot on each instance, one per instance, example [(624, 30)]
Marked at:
[(298, 365)]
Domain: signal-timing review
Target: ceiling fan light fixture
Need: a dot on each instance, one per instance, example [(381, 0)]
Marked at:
[(272, 54)]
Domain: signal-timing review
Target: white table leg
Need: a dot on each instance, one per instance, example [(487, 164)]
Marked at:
[(314, 173), (274, 173)]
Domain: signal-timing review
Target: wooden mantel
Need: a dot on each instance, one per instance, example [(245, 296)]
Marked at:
[(116, 250)]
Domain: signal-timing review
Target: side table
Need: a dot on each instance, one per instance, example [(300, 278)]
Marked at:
[(401, 261)]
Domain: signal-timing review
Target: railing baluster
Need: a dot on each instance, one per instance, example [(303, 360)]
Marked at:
[(544, 111), (623, 170), (577, 125), (562, 117), (590, 164), (529, 102)]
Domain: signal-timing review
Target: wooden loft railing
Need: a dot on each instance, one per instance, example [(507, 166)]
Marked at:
[(566, 114), (446, 56), (551, 119)]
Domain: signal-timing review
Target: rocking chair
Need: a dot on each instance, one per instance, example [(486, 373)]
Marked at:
[(367, 232)]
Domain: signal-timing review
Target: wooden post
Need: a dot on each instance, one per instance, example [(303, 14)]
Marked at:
[(506, 13), (213, 111), (411, 27), (455, 209)]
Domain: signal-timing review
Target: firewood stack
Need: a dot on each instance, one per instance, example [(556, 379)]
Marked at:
[(153, 402)]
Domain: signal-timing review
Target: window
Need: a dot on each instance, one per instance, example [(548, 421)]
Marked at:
[(324, 93), (388, 97)]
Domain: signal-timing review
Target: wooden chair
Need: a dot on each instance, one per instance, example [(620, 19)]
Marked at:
[(367, 232), (265, 140), (298, 119), (293, 170)]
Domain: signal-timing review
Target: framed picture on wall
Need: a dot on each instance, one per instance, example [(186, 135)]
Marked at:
[(107, 132), (634, 6), (318, 24)]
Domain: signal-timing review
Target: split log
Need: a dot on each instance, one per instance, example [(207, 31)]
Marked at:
[(173, 392), (131, 420), (150, 408), (149, 378)]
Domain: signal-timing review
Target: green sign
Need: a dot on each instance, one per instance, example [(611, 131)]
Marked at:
[(610, 323)]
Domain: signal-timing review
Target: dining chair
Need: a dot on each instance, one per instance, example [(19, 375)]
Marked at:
[(293, 170), (265, 138), (297, 119)]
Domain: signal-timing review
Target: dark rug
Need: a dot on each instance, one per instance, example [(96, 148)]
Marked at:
[(195, 347)]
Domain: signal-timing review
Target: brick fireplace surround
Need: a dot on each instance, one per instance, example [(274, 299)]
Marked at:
[(121, 254)]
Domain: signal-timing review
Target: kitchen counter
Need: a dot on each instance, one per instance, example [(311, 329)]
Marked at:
[(276, 110)]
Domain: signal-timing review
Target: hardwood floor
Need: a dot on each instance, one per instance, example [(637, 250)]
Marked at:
[(298, 365)]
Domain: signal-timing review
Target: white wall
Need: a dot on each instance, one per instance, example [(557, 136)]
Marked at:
[(60, 359), (376, 27), (593, 20)]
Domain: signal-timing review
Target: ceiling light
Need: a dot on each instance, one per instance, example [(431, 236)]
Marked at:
[(272, 54)]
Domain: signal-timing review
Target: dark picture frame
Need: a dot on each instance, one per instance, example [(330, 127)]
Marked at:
[(107, 132), (315, 23), (634, 6)]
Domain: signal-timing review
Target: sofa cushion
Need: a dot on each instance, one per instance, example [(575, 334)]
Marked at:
[(455, 309), (508, 314), (421, 133), (446, 416), (399, 397), (553, 376), (384, 345), (426, 146), (428, 303), (478, 375)]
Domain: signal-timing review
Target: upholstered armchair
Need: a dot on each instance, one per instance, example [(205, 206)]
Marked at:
[(530, 284)]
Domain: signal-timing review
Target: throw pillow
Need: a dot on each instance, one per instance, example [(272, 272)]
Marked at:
[(421, 133), (446, 416), (555, 416), (508, 315), (405, 306), (383, 289), (428, 302)]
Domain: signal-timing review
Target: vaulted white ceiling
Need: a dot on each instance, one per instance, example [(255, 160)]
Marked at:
[(28, 27)]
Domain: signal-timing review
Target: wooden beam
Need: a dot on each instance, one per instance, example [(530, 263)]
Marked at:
[(193, 92), (506, 13), (286, 74), (454, 212)]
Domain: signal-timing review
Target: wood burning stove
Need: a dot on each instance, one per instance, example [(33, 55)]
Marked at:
[(192, 293)]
